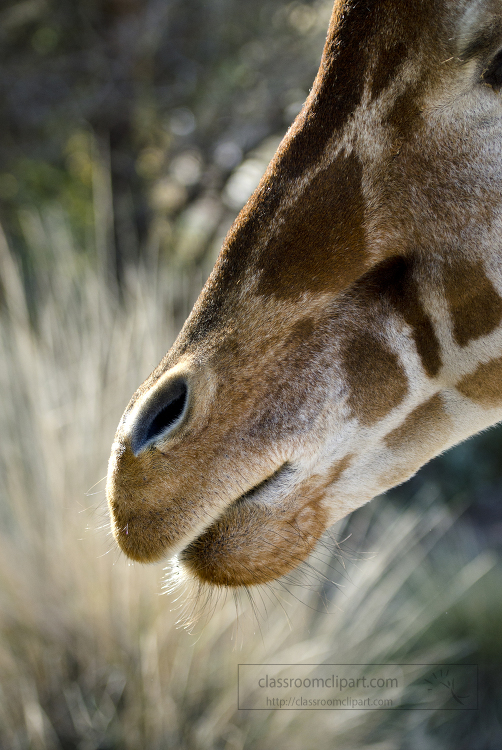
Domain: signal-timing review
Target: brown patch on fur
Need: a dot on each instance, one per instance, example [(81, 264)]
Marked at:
[(389, 60), (283, 409), (377, 382), (427, 426), (338, 468), (474, 303), (421, 436), (320, 245), (405, 114), (394, 280), (484, 385)]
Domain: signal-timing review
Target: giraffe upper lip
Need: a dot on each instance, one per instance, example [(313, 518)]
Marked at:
[(148, 531)]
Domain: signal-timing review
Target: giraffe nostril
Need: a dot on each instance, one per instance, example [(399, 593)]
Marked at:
[(161, 414), (167, 416)]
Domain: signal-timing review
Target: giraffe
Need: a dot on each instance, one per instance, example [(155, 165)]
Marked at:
[(351, 328)]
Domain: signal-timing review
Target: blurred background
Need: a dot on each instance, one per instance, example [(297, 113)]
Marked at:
[(131, 134)]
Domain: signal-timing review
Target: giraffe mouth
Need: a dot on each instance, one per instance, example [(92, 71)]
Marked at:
[(260, 492), (276, 480), (264, 533)]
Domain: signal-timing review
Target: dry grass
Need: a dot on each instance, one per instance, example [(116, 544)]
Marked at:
[(90, 656)]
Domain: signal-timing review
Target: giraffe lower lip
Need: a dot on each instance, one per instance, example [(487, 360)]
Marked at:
[(259, 537), (266, 484)]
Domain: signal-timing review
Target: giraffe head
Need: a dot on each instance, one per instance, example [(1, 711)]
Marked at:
[(350, 329)]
